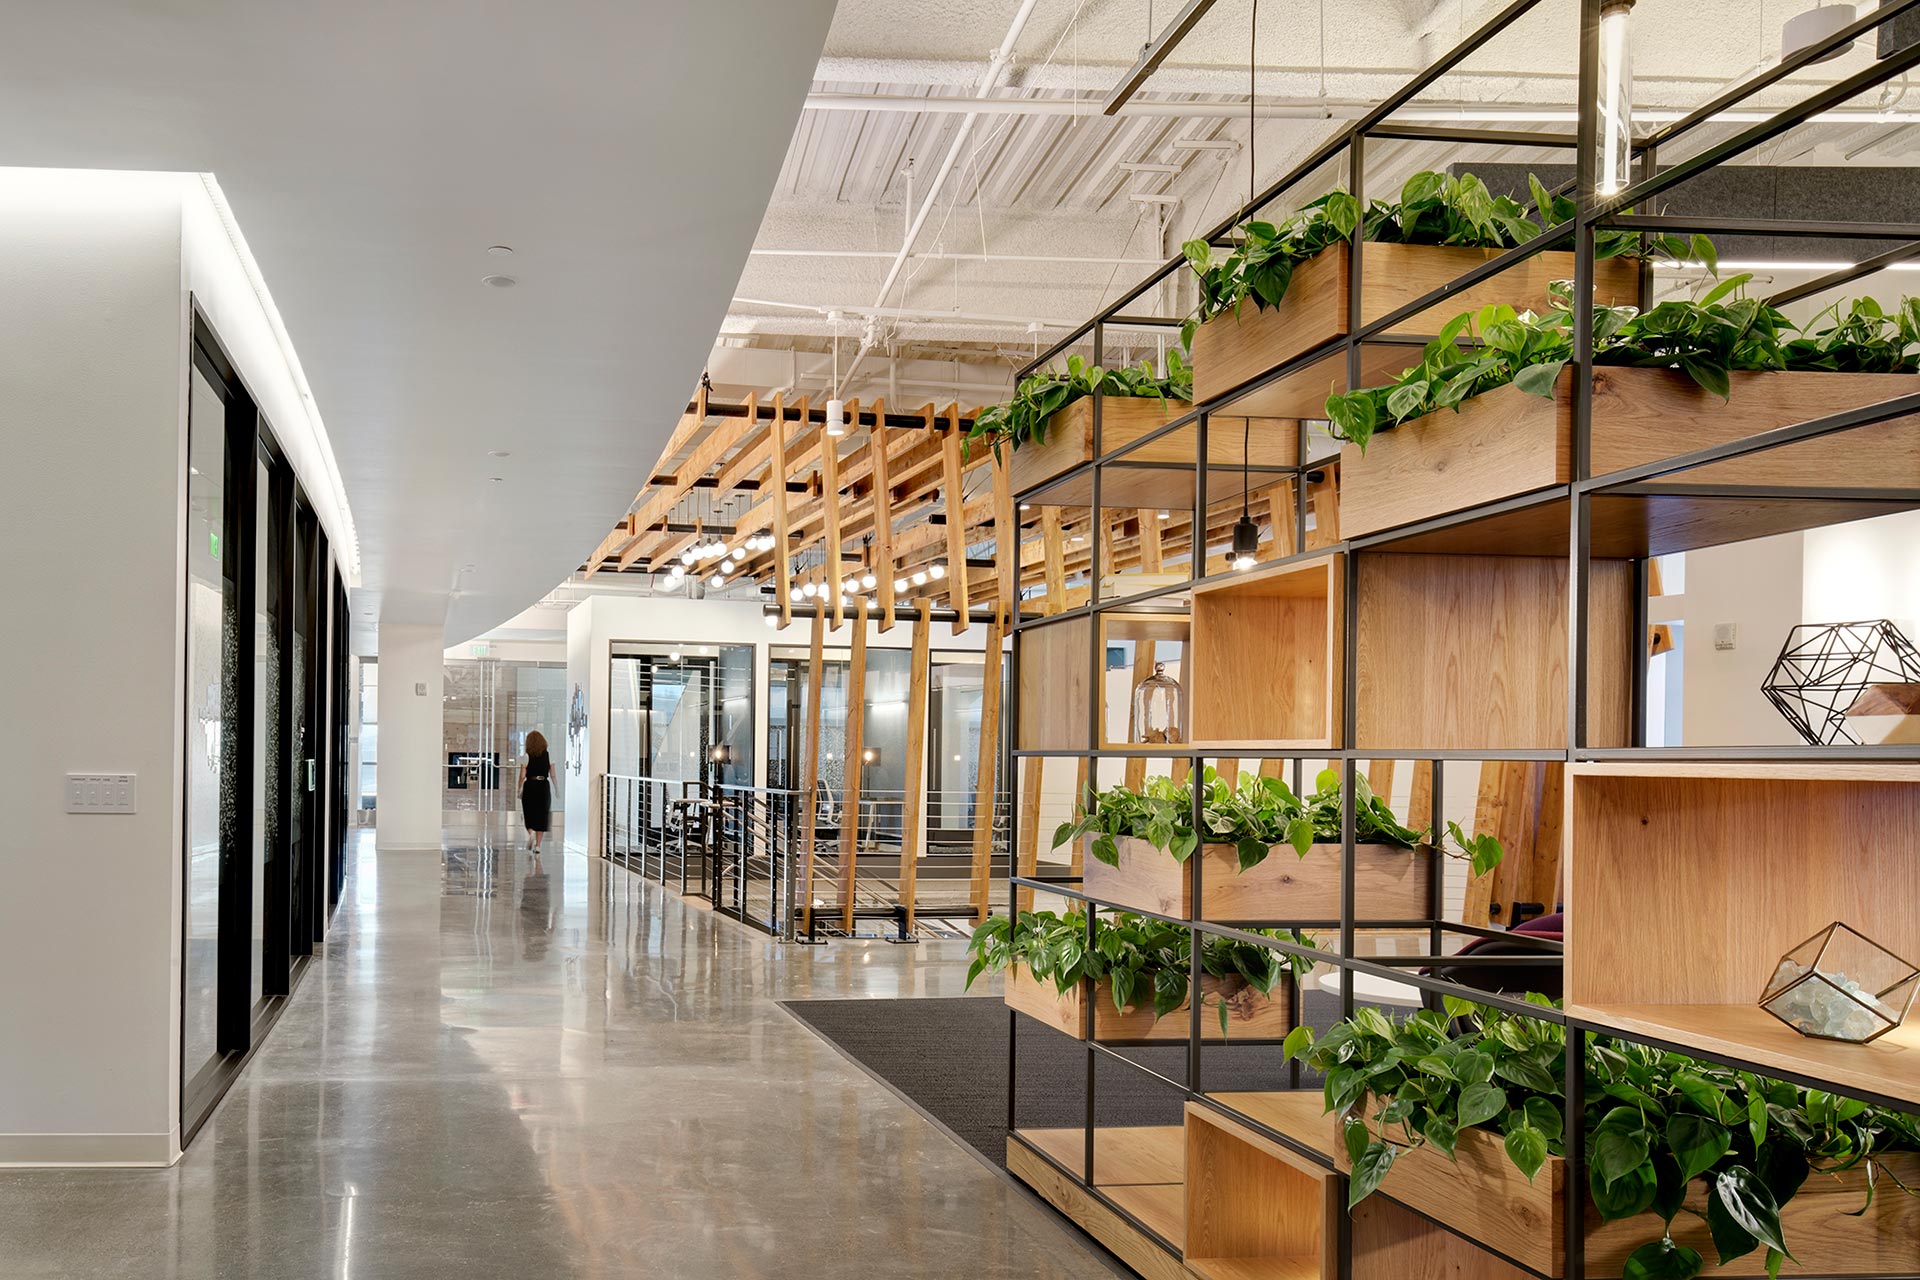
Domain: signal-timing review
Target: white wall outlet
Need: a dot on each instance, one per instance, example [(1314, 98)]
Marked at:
[(103, 793), (419, 688), (1726, 635)]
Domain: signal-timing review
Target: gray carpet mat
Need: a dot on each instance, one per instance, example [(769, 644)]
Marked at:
[(948, 1057)]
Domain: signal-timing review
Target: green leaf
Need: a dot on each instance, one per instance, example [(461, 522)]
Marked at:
[(1105, 850), (1620, 1144), (1706, 1096), (1298, 1042), (1749, 1204), (1253, 851), (1663, 1260), (1627, 1197), (1480, 1103), (1184, 843), (1300, 835), (1368, 1170), (1539, 379), (1065, 832), (1697, 1143), (1441, 1132), (1543, 1115), (1473, 1067), (1730, 1239), (1526, 1146), (1356, 1136)]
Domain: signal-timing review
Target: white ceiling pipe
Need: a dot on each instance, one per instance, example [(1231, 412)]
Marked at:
[(1002, 58), (958, 257), (1467, 113), (909, 313)]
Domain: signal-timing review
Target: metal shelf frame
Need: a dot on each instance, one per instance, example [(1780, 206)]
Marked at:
[(1348, 149)]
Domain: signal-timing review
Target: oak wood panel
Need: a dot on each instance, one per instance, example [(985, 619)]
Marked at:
[(883, 566), (830, 506), (1161, 1206), (1264, 664), (1250, 1015), (1123, 1155), (1250, 1200), (1636, 412), (1301, 1268), (1052, 663), (951, 471), (1483, 1196), (1126, 1241), (1470, 652), (1394, 1243), (1720, 877), (1500, 444), (1390, 883), (1300, 1114), (1238, 346), (782, 560), (919, 665)]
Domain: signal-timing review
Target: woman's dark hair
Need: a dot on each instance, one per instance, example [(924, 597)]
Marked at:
[(536, 743)]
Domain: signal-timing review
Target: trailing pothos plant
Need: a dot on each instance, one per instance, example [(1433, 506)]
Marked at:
[(1433, 209), (1255, 815), (1655, 1121), (1039, 396), (1141, 956), (1709, 340)]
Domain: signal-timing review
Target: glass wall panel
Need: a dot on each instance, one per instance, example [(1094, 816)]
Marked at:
[(266, 668), (208, 651), (369, 732)]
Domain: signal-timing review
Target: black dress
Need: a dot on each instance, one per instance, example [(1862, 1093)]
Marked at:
[(536, 792)]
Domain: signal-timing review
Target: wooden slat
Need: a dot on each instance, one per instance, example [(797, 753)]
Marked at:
[(1006, 536), (809, 804), (1324, 494), (782, 561), (1420, 810), (1280, 518), (683, 431), (1547, 836), (856, 747), (951, 473), (830, 497), (882, 513), (1027, 847), (1053, 546), (989, 760), (1135, 770), (918, 669)]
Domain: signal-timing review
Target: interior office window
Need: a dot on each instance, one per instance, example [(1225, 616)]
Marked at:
[(954, 687), (208, 696), (369, 732), (266, 668)]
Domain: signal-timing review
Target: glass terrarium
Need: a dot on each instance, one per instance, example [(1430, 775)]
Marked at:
[(1841, 985), (1157, 710)]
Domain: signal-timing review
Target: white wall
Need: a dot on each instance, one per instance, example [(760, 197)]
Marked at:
[(96, 270), (411, 770), (1756, 586), (1864, 570)]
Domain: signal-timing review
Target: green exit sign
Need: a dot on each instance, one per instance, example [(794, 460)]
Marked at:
[(213, 543)]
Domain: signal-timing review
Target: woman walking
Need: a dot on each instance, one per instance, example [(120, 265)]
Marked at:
[(536, 790)]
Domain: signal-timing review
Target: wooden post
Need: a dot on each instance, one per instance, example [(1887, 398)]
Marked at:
[(989, 758), (1006, 537), (1547, 840), (1280, 514), (782, 564), (856, 761), (877, 445), (809, 804), (1420, 810), (1077, 860), (1027, 851), (1325, 496), (1053, 546), (1380, 780), (1135, 775), (951, 472), (911, 810)]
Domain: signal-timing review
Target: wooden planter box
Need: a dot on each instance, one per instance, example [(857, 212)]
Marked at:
[(1506, 442), (1252, 1016), (1143, 479), (1235, 347), (1485, 1198), (1391, 883)]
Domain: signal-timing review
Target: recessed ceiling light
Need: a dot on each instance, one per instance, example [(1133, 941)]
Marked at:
[(499, 453), (497, 479), (500, 250), (499, 282)]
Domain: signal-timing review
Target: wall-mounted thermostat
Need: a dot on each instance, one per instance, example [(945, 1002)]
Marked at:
[(102, 793)]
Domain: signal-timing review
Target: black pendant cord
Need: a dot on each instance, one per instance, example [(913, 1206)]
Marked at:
[(1246, 462)]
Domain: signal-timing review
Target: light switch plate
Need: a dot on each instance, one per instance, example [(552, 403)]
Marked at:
[(103, 793)]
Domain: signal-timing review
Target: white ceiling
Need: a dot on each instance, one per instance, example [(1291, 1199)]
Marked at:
[(371, 151)]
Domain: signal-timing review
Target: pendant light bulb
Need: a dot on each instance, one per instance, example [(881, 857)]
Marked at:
[(836, 417), (1616, 97), (867, 581), (1246, 541), (939, 569)]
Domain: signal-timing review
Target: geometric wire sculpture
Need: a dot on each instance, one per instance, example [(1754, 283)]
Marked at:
[(1824, 668)]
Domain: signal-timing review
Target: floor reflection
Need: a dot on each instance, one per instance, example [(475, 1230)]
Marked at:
[(511, 1065)]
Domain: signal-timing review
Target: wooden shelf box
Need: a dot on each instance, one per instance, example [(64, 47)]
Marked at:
[(1391, 883), (1687, 883), (1051, 664), (1156, 474), (1470, 652), (1251, 1016), (1159, 1205), (1157, 628), (1236, 347), (1254, 1209), (1265, 670), (1069, 437), (1506, 442)]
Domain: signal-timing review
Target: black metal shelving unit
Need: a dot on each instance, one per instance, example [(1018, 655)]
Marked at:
[(1571, 502)]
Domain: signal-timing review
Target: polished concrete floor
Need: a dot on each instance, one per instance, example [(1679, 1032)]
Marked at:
[(525, 1068)]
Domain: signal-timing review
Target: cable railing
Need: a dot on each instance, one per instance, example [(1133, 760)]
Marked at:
[(744, 850)]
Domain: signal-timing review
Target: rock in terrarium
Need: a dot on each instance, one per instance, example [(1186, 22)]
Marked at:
[(1841, 985)]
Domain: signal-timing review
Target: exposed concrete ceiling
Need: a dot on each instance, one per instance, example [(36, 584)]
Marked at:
[(372, 152), (1037, 223)]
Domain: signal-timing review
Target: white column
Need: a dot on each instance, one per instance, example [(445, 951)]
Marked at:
[(411, 767)]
